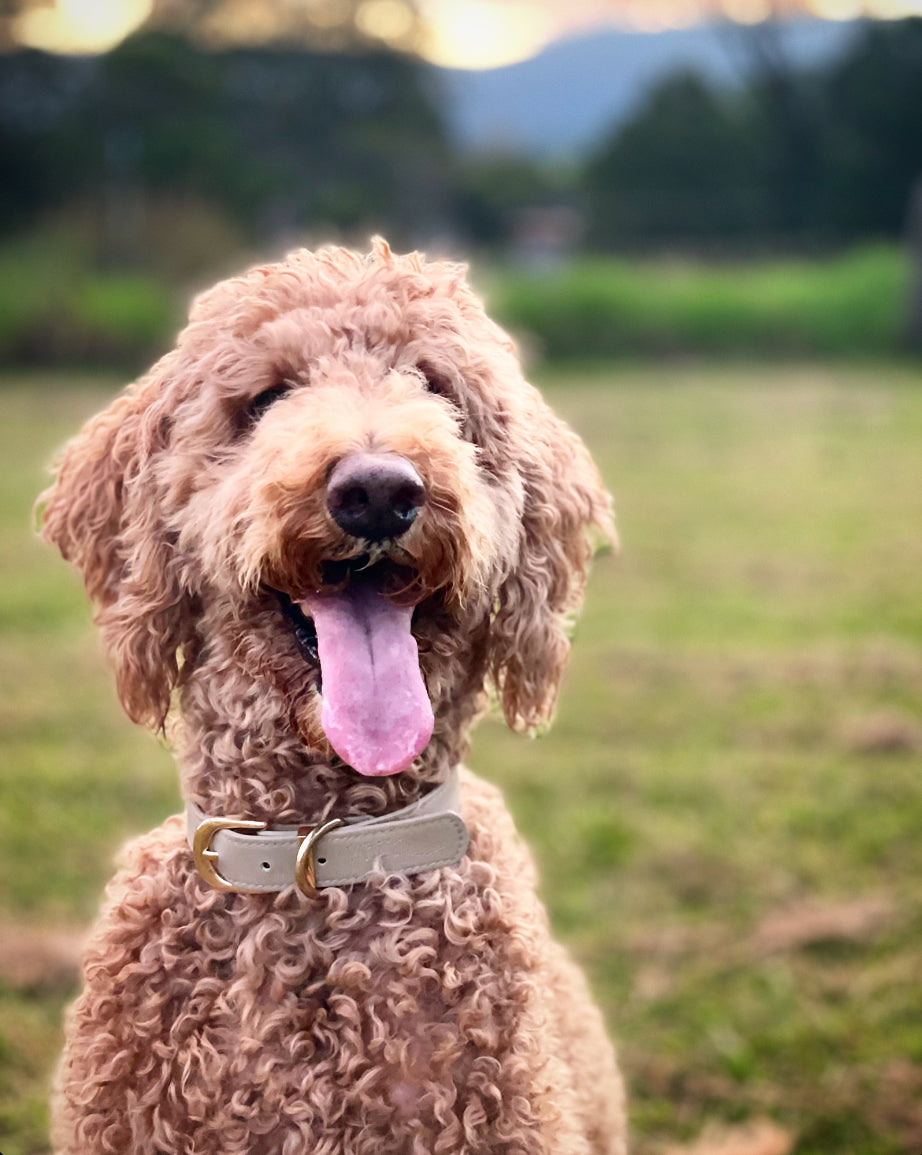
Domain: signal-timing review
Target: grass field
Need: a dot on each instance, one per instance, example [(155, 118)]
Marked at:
[(727, 813)]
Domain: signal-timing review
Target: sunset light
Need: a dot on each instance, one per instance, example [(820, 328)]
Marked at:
[(490, 33), (484, 34), (662, 14), (81, 26), (468, 34)]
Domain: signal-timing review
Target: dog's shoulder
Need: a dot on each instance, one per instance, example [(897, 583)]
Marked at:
[(494, 837), (153, 852)]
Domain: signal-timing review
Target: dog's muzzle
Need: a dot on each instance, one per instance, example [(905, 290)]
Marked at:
[(242, 855)]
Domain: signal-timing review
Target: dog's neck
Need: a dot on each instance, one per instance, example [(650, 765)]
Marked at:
[(246, 748), (229, 770)]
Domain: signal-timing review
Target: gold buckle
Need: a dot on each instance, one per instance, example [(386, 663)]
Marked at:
[(305, 866), (206, 859)]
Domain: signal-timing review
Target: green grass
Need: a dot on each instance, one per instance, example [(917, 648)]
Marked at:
[(727, 813), (856, 303)]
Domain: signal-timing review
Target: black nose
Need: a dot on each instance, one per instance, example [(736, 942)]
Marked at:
[(375, 495)]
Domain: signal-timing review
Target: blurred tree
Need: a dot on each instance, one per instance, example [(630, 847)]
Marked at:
[(792, 158), (685, 168), (873, 146), (278, 138), (783, 113), (493, 190)]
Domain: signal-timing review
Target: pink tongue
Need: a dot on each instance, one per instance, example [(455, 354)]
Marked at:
[(376, 712)]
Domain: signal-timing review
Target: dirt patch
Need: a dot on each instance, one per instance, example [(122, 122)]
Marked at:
[(760, 1137), (674, 941), (816, 921), (882, 733), (39, 958), (659, 1077), (896, 1108)]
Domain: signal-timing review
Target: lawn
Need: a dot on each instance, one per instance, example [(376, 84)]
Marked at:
[(726, 814)]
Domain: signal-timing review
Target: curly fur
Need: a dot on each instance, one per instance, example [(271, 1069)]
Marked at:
[(407, 1015)]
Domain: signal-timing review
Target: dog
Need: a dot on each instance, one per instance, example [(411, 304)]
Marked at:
[(321, 536)]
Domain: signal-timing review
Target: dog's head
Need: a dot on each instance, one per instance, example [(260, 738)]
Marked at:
[(338, 497)]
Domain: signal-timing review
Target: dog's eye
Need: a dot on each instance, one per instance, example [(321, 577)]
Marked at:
[(435, 382), (261, 402), (440, 385)]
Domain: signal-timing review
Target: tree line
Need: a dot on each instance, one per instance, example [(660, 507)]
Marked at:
[(274, 140), (828, 156)]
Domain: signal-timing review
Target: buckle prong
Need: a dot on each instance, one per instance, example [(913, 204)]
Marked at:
[(305, 864), (206, 859)]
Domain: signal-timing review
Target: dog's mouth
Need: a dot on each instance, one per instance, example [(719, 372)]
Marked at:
[(376, 713), (302, 627)]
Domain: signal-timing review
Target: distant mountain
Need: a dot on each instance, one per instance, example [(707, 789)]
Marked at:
[(558, 103)]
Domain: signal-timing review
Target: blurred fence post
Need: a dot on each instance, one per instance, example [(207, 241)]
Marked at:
[(914, 242)]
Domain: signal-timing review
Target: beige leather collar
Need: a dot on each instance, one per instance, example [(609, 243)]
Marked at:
[(242, 855)]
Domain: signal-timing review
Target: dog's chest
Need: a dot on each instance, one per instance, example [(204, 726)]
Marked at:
[(354, 1014)]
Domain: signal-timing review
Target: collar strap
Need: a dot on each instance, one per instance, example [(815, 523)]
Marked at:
[(238, 854)]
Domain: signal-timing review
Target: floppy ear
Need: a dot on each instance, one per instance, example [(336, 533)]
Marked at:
[(104, 514), (566, 505)]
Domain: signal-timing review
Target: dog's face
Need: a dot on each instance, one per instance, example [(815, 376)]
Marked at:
[(339, 497)]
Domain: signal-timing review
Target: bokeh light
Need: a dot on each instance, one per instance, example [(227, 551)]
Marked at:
[(469, 34), (80, 26), (481, 34)]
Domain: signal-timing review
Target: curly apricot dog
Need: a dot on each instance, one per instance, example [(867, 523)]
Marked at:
[(327, 523)]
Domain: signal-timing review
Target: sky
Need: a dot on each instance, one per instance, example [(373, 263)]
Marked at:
[(474, 34)]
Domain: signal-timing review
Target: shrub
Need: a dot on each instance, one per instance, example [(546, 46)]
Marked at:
[(55, 309), (854, 304)]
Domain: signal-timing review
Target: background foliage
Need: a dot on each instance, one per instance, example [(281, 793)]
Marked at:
[(128, 180), (283, 136), (817, 158)]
